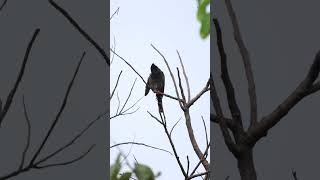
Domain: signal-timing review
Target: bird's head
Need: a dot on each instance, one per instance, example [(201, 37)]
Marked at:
[(154, 68)]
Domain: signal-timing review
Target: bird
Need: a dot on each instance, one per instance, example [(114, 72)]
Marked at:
[(156, 82)]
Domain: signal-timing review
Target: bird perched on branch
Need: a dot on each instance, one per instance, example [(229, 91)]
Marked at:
[(156, 83)]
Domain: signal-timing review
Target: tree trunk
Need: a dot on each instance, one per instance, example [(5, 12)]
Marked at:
[(246, 166)]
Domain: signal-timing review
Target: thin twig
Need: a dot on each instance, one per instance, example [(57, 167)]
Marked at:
[(129, 95), (115, 87), (201, 159), (66, 162), (3, 4), (28, 133), (185, 76), (19, 78), (128, 65), (114, 48), (174, 126), (204, 90), (180, 85), (171, 143), (61, 110), (294, 174), (188, 165), (71, 142), (205, 130), (140, 144), (116, 12), (82, 32), (199, 174), (246, 62), (232, 102), (222, 122)]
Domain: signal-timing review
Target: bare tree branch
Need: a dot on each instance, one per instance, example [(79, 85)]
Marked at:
[(171, 143), (28, 134), (124, 111), (246, 62), (174, 126), (294, 98), (205, 154), (294, 174), (230, 123), (115, 87), (3, 4), (115, 12), (82, 32), (200, 174), (33, 164), (129, 95), (62, 107), (232, 102), (193, 141), (180, 86), (204, 90), (205, 130), (71, 142), (19, 78), (140, 144), (114, 49), (222, 122), (37, 166), (188, 165), (185, 76)]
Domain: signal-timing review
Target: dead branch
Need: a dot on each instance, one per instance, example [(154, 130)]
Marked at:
[(171, 143), (294, 174), (246, 62), (140, 144), (232, 102), (124, 111), (81, 31), (38, 164), (13, 91), (115, 87), (205, 154), (58, 115), (3, 4), (185, 76), (221, 120), (194, 99), (302, 91), (205, 130), (28, 133), (193, 140), (115, 12)]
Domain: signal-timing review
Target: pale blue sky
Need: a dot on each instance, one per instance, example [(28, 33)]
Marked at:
[(170, 26)]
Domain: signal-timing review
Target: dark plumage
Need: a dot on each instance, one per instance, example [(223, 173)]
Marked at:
[(156, 82)]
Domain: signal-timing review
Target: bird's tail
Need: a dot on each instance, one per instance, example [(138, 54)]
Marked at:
[(159, 99)]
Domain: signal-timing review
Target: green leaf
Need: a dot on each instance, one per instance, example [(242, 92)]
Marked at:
[(115, 169), (204, 17), (143, 172), (126, 176)]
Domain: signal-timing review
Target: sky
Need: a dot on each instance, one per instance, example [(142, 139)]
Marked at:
[(169, 26)]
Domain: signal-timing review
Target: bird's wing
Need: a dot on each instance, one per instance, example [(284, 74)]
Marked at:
[(162, 82), (147, 86)]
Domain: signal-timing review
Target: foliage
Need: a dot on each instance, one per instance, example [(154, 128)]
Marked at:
[(204, 17), (142, 172)]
